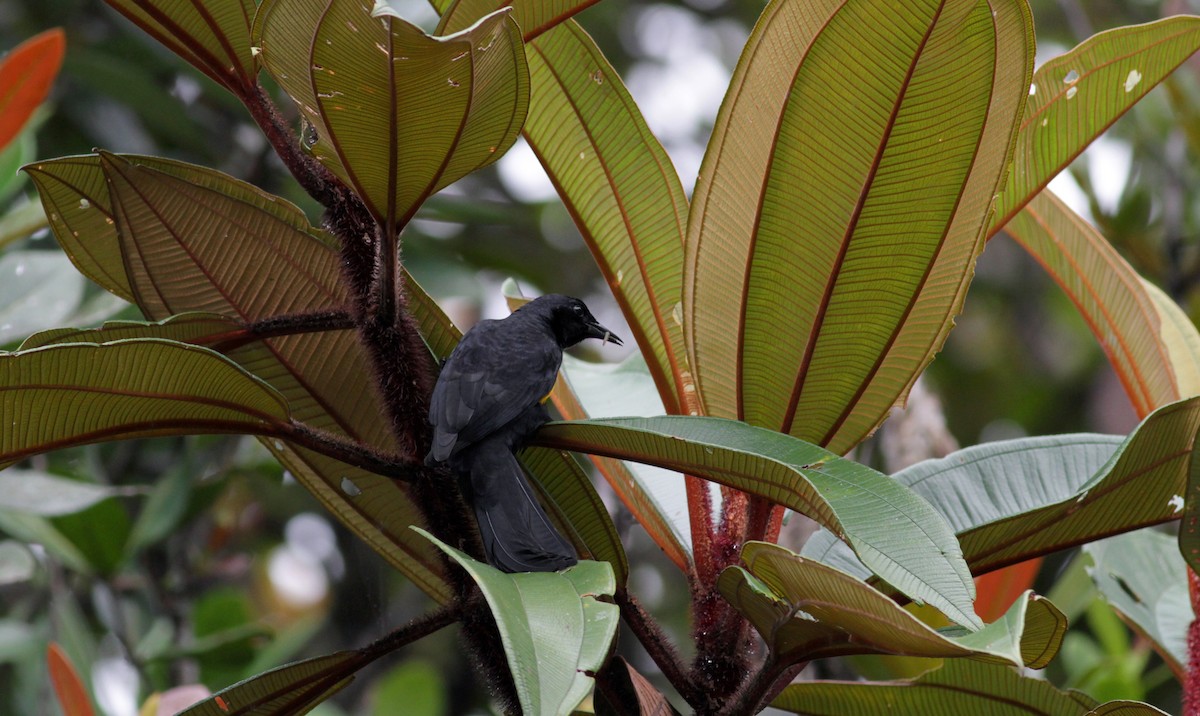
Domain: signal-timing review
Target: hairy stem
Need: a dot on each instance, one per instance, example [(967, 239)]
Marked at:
[(751, 699), (314, 178), (288, 324), (352, 452), (657, 645), (416, 629)]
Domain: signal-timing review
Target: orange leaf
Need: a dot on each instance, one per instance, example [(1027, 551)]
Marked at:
[(26, 75), (72, 697), (998, 590)]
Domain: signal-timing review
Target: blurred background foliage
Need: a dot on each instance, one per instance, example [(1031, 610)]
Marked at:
[(199, 560)]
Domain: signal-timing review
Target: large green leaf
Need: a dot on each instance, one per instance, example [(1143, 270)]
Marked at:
[(1143, 577), (213, 35), (1012, 500), (73, 394), (897, 534), (193, 239), (620, 187), (989, 482), (1150, 344), (398, 114), (836, 220), (806, 610), (556, 628), (1136, 488), (958, 687), (1076, 96)]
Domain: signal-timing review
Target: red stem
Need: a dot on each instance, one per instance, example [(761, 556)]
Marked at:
[(1191, 688)]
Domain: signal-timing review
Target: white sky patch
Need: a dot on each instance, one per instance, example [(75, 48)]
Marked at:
[(523, 175), (1066, 188), (1046, 52), (1176, 503), (1109, 162), (115, 681)]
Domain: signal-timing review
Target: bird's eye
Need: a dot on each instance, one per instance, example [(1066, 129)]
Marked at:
[(577, 308)]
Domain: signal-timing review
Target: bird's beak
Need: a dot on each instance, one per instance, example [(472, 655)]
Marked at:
[(595, 330)]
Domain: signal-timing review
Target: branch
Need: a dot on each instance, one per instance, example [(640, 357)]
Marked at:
[(416, 629), (288, 324), (347, 217), (351, 452), (657, 645), (313, 177), (750, 699)]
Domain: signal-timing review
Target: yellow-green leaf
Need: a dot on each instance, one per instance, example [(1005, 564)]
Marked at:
[(213, 35), (398, 114), (620, 187), (534, 17), (1145, 336), (836, 220), (74, 394), (1076, 96)]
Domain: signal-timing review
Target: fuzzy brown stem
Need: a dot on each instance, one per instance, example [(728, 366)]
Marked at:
[(657, 644), (753, 697), (416, 629), (351, 452), (288, 324)]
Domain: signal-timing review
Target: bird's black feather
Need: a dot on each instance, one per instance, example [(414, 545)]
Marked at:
[(486, 404)]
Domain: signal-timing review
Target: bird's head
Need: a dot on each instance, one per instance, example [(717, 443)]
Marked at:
[(570, 319)]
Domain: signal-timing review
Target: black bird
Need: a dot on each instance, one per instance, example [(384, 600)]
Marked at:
[(487, 403)]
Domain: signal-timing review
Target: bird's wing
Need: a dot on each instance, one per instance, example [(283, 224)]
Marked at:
[(490, 378)]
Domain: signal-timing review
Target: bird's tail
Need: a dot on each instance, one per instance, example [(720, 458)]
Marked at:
[(517, 533)]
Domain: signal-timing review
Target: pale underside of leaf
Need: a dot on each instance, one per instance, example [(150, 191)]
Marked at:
[(556, 633), (898, 534), (959, 686), (1137, 488), (1144, 578)]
